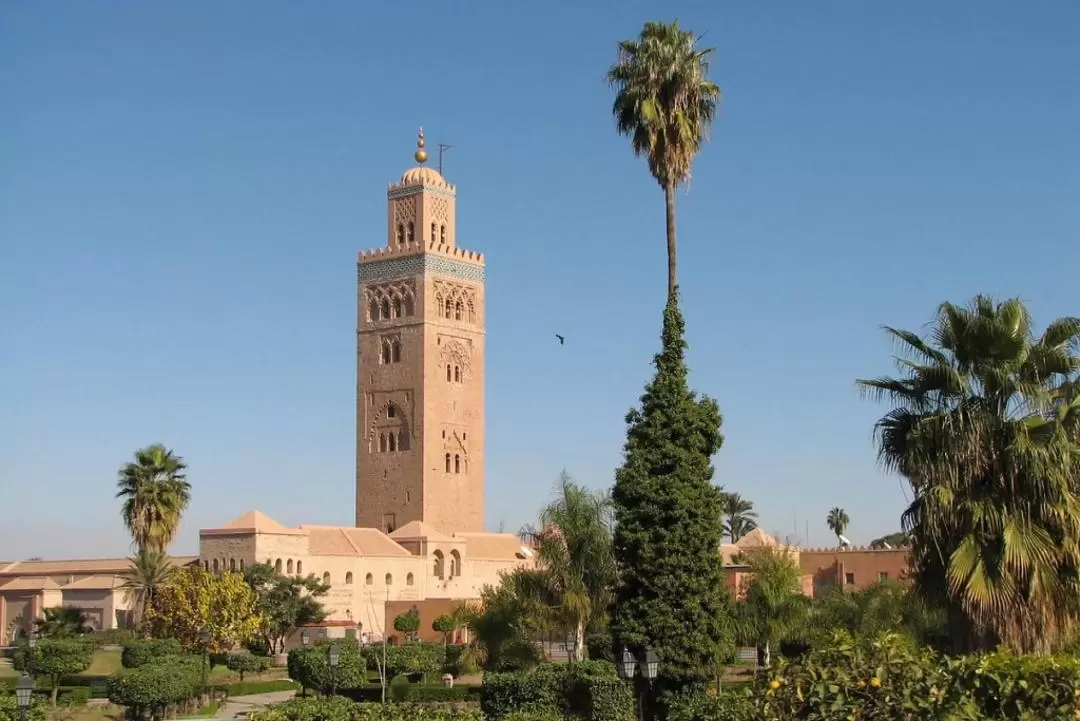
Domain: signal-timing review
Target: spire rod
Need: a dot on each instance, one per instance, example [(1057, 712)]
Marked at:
[(420, 154)]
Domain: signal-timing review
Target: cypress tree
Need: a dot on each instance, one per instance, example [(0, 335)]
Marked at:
[(670, 595)]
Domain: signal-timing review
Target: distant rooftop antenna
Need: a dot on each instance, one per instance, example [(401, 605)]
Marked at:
[(443, 147)]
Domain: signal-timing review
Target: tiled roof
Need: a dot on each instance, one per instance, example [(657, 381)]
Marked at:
[(491, 545), (95, 583), (418, 529), (757, 538), (30, 584), (252, 522), (80, 566), (348, 541)]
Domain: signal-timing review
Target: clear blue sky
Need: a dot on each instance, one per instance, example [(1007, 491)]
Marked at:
[(184, 187)]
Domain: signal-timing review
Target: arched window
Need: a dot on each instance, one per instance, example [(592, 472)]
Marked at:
[(472, 313), (458, 307), (277, 566), (403, 445), (410, 232), (389, 580), (455, 564), (215, 566), (409, 580), (241, 564), (348, 578), (408, 306), (397, 307), (449, 308), (400, 233), (457, 374), (369, 580), (385, 309), (395, 352), (437, 570), (442, 233), (299, 567), (447, 462), (392, 442), (448, 372), (391, 411), (326, 578), (373, 310), (382, 443), (232, 565), (384, 353), (432, 232), (288, 567), (457, 464)]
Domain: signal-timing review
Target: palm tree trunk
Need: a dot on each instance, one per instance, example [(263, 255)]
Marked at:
[(579, 641), (669, 203)]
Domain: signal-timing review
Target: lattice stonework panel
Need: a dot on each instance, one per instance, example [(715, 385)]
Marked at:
[(391, 268), (440, 209), (404, 210)]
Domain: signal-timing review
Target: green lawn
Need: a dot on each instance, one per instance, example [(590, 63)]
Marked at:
[(105, 663)]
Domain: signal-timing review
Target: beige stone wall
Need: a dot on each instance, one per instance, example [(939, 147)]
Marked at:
[(98, 605)]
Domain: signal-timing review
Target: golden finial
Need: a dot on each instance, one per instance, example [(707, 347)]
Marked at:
[(420, 154)]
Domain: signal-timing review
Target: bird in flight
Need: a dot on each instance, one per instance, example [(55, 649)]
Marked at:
[(562, 341)]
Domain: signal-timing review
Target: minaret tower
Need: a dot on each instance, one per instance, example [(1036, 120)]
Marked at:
[(420, 365)]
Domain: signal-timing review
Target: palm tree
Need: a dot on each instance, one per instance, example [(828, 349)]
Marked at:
[(575, 563), (664, 103), (62, 622), (774, 608), (155, 493), (838, 521), (984, 426), (739, 516), (150, 570)]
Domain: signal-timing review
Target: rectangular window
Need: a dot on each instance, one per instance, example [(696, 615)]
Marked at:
[(883, 576), (849, 579)]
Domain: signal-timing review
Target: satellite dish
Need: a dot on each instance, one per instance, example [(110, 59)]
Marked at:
[(885, 545), (844, 542)]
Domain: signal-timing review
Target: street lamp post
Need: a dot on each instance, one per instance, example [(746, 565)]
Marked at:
[(24, 694), (335, 659), (305, 639), (31, 644), (649, 666)]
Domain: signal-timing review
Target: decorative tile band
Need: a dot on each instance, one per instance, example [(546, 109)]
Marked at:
[(417, 189), (427, 263)]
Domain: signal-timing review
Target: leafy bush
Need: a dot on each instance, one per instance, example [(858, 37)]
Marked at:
[(589, 690), (158, 684), (600, 647), (56, 658), (460, 660), (415, 659), (243, 663), (1004, 686), (340, 709), (141, 651), (9, 709), (408, 623), (112, 636), (415, 693), (74, 696), (310, 665)]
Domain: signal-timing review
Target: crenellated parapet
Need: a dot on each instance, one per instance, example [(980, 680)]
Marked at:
[(416, 248), (854, 549)]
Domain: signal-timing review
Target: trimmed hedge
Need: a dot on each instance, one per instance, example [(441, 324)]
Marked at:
[(141, 651), (588, 690), (250, 688), (310, 667), (159, 684), (243, 663), (414, 693), (341, 709)]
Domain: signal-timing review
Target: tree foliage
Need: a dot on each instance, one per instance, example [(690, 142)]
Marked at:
[(245, 663), (62, 622), (150, 570), (739, 516), (285, 603), (774, 608), (900, 539), (154, 686), (984, 426), (665, 103), (408, 623), (504, 623), (575, 570), (670, 592), (837, 521), (194, 601), (55, 658), (444, 624), (310, 666), (156, 494)]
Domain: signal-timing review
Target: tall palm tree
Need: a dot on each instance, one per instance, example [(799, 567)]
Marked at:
[(150, 570), (575, 562), (838, 521), (155, 493), (665, 103), (984, 426), (739, 516)]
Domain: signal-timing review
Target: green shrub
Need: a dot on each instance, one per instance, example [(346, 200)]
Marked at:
[(56, 658), (74, 696), (158, 684), (340, 709), (310, 665), (600, 646), (112, 636), (534, 713), (141, 651), (1004, 686), (243, 663), (541, 689), (9, 709), (460, 660), (415, 659)]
